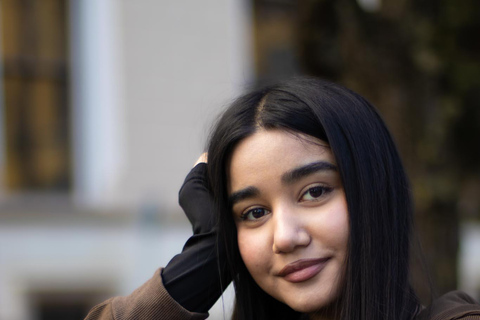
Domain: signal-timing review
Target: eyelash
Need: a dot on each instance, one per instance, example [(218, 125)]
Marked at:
[(323, 189), (244, 216)]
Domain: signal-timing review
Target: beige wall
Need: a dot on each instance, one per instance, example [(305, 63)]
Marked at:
[(183, 60)]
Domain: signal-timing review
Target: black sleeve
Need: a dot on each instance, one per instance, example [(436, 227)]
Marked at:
[(197, 277)]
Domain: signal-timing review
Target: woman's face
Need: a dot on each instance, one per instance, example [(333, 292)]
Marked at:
[(291, 216)]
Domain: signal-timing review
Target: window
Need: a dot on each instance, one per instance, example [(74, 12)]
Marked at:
[(35, 95), (65, 305)]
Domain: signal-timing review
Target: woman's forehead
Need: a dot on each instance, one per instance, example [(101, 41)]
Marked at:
[(274, 152)]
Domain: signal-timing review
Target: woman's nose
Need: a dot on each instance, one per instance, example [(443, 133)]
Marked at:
[(289, 231)]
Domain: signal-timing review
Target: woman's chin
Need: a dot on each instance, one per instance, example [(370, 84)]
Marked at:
[(308, 306), (314, 306)]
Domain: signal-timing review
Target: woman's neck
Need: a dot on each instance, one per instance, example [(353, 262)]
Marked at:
[(331, 312), (315, 316)]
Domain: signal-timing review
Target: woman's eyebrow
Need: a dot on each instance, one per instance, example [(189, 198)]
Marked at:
[(243, 194), (303, 171)]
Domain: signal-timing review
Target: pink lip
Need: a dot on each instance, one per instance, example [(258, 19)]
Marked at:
[(302, 270)]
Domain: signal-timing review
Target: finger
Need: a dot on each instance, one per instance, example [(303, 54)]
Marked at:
[(202, 158)]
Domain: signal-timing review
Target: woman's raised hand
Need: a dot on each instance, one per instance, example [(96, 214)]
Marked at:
[(195, 198), (197, 277)]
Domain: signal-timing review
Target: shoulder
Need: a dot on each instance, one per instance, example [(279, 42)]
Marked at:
[(150, 301), (453, 305)]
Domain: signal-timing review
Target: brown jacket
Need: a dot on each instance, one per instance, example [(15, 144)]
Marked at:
[(152, 302), (453, 305)]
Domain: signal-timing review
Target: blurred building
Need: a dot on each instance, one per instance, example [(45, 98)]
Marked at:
[(105, 106)]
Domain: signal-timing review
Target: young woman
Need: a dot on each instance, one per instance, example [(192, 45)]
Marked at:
[(314, 217)]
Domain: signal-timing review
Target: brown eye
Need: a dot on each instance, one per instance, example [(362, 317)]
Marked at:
[(254, 214), (315, 193)]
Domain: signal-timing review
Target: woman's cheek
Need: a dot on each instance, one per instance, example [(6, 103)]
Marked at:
[(253, 246)]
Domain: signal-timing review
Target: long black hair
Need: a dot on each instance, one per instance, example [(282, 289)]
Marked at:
[(376, 284)]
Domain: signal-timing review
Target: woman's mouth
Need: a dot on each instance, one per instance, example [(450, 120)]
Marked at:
[(302, 270)]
